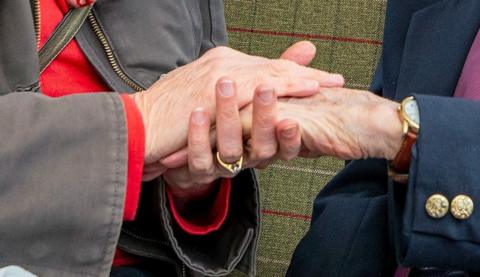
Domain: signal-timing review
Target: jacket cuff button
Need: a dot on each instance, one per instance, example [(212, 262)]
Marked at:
[(437, 206), (462, 207)]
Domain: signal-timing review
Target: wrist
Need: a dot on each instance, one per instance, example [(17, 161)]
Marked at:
[(387, 127), (394, 133), (139, 100), (152, 153)]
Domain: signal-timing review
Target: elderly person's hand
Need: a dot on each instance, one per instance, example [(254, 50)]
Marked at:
[(345, 123), (196, 178), (166, 106)]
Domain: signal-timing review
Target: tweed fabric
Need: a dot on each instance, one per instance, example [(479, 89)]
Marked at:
[(348, 35)]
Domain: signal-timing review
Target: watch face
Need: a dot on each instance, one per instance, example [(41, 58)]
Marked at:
[(411, 110)]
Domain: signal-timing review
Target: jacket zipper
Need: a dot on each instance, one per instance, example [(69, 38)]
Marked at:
[(100, 35), (37, 17), (184, 270), (109, 53)]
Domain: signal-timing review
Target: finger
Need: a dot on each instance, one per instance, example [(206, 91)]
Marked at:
[(200, 160), (264, 141), (289, 139), (176, 160), (153, 168), (180, 158), (178, 177), (147, 177), (294, 86), (301, 53), (286, 68), (228, 125), (152, 171)]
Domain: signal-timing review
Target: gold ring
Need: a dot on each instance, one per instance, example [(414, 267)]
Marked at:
[(233, 168)]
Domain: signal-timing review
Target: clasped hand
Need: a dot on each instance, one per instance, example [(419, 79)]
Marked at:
[(314, 116)]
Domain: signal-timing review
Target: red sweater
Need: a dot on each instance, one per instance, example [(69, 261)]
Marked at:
[(71, 73)]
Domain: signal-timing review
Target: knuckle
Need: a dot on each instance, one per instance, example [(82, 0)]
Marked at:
[(220, 51), (291, 83), (200, 166), (265, 121), (282, 66), (231, 154), (197, 142), (264, 153), (227, 113), (217, 62), (209, 54)]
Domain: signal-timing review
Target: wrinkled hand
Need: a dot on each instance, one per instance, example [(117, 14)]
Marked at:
[(345, 123), (166, 106), (301, 53), (196, 178)]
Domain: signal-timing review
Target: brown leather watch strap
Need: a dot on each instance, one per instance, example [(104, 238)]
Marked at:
[(401, 163)]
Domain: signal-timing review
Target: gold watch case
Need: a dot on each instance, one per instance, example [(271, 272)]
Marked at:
[(410, 115)]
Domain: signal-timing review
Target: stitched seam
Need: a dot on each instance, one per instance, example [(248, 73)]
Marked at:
[(197, 40), (105, 247), (255, 238), (249, 236), (144, 239), (116, 182), (148, 254), (212, 40)]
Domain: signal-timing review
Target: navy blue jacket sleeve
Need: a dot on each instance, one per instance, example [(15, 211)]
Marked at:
[(446, 161)]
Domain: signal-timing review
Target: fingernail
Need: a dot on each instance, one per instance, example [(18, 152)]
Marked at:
[(226, 88), (290, 131), (266, 95), (337, 78), (312, 84), (198, 116)]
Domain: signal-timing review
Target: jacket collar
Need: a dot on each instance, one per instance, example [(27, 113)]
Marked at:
[(436, 44)]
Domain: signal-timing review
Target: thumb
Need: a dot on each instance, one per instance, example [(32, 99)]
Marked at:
[(301, 53)]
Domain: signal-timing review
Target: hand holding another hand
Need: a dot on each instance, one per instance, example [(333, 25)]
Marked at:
[(166, 106), (202, 167), (344, 123)]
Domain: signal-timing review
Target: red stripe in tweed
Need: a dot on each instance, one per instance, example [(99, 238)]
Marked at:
[(304, 36)]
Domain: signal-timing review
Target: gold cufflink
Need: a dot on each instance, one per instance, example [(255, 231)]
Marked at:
[(437, 206), (462, 207)]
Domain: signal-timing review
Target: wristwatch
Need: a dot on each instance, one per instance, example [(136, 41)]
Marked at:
[(410, 116)]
